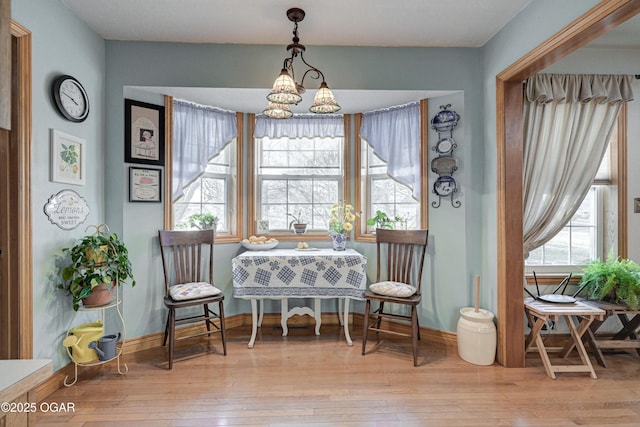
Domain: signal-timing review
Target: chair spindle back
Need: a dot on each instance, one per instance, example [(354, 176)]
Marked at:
[(403, 248)]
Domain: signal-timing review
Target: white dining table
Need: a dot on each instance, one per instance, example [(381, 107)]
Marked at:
[(292, 273)]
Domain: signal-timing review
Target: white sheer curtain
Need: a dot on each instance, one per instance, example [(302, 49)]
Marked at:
[(394, 134), (300, 126), (568, 120), (199, 134)]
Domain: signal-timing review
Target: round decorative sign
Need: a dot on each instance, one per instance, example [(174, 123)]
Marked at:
[(67, 209)]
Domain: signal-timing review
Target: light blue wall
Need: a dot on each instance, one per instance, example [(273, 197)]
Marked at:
[(454, 232), (61, 45)]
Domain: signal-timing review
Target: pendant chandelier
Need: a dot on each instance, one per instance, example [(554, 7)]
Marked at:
[(287, 91)]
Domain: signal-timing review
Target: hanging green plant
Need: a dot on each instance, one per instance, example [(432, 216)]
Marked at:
[(96, 259)]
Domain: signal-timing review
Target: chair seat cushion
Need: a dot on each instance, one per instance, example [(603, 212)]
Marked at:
[(393, 289), (193, 290)]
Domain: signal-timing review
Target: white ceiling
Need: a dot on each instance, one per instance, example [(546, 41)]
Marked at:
[(442, 23), (426, 23)]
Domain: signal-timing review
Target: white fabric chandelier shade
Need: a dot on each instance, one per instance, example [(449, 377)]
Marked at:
[(324, 102), (284, 90), (276, 110)]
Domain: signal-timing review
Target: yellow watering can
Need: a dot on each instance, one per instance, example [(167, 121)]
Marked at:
[(79, 339)]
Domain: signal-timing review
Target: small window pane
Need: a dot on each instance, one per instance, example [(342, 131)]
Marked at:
[(309, 175), (556, 251)]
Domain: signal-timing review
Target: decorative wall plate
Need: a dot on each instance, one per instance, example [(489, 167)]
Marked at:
[(445, 120), (444, 186), (445, 146), (444, 165)]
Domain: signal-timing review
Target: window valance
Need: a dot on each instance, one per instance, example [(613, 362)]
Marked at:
[(546, 88), (300, 126)]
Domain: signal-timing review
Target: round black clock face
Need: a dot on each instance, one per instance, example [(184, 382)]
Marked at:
[(70, 98)]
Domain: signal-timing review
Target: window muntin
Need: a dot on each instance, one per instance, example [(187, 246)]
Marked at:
[(214, 191), (298, 174), (579, 241)]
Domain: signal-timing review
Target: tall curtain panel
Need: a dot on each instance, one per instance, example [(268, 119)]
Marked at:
[(394, 134), (568, 120), (199, 134)]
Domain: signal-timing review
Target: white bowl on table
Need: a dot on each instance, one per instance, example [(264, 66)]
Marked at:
[(258, 246)]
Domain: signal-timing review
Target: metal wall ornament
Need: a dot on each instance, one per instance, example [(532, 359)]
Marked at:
[(445, 164), (66, 209)]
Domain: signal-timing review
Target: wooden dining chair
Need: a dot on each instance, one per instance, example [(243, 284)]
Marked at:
[(400, 264), (187, 261)]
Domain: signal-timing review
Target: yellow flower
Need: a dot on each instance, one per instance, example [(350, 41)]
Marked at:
[(350, 217), (347, 226)]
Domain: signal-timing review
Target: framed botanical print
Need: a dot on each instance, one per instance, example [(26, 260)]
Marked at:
[(67, 158), (144, 133)]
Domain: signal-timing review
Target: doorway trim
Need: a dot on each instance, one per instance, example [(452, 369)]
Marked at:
[(510, 148), (21, 135)]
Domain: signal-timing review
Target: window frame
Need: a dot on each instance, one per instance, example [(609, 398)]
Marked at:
[(231, 237), (361, 199), (253, 186)]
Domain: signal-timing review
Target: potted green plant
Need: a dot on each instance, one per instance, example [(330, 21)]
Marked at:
[(97, 262), (382, 220), (299, 226), (203, 221), (615, 280)]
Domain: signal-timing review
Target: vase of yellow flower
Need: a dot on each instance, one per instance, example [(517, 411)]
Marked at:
[(341, 218)]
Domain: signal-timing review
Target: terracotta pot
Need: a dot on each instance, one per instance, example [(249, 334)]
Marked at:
[(101, 295)]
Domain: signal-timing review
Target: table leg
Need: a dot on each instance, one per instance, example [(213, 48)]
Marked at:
[(284, 315), (536, 326), (254, 322), (629, 327), (576, 334), (261, 315), (340, 311), (590, 337), (345, 322), (543, 350), (317, 313)]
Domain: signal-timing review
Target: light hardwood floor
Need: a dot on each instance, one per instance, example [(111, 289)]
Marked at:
[(320, 381)]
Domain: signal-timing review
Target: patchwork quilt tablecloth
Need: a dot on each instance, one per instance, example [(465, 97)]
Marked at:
[(290, 273)]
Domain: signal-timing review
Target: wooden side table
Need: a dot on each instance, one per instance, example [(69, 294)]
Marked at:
[(625, 338), (538, 313)]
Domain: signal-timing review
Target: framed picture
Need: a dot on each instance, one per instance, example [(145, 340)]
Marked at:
[(144, 133), (67, 158), (145, 184)]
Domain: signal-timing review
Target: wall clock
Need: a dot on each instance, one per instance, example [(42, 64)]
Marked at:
[(70, 98)]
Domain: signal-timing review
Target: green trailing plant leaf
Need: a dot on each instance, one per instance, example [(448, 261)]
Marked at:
[(203, 221), (615, 280), (95, 259)]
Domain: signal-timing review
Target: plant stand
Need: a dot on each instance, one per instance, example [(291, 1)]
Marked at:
[(122, 367)]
